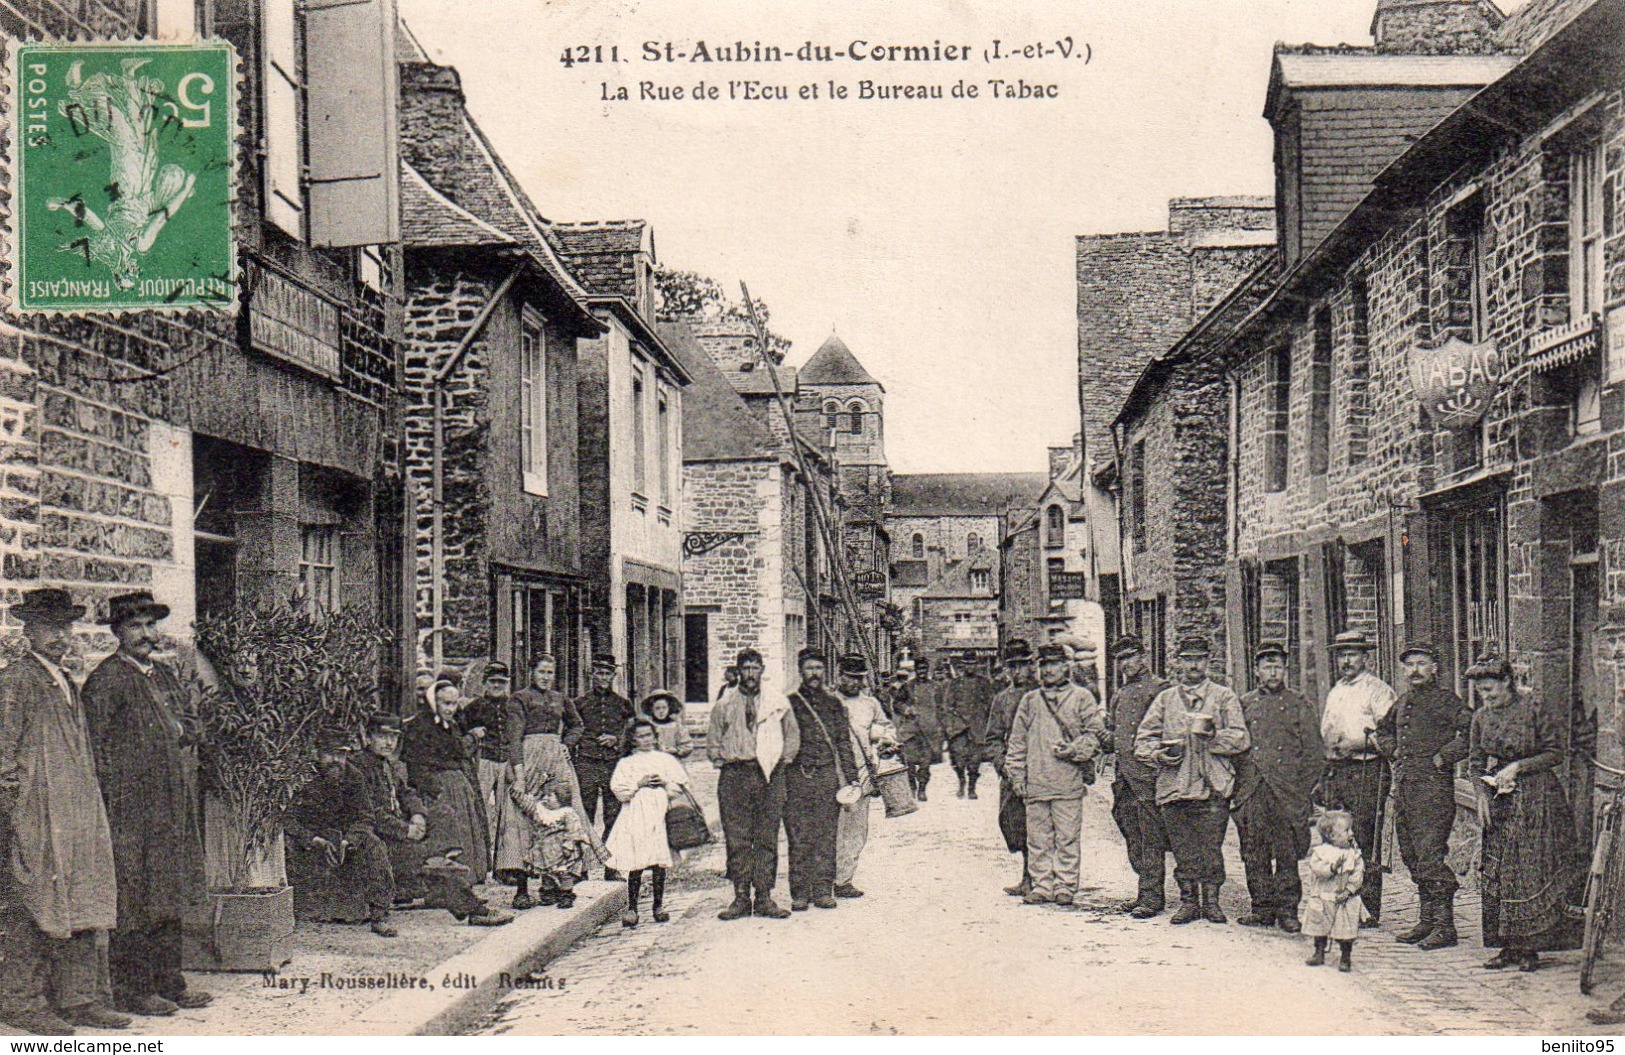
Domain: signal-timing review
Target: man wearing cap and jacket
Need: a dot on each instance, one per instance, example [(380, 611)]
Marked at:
[(966, 698), (1424, 734), (871, 729), (825, 764), (1054, 741), (1134, 789), (57, 887), (1356, 777), (1192, 731), (143, 731), (918, 725), (485, 721), (604, 714), (1275, 780), (1018, 663)]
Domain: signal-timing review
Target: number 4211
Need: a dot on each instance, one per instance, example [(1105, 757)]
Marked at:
[(589, 53)]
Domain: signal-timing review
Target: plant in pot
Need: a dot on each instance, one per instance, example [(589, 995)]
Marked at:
[(271, 679)]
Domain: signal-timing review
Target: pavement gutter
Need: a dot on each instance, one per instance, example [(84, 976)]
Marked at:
[(535, 938)]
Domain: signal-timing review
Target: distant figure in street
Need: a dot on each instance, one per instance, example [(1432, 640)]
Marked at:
[(1191, 732), (1049, 761), (604, 714), (918, 725), (439, 765), (664, 711), (823, 766), (56, 874), (485, 722), (644, 781), (752, 739), (1356, 777), (143, 730), (966, 699), (337, 865), (871, 730), (1336, 872), (1018, 663), (1134, 788), (1275, 780), (1424, 735), (1532, 866)]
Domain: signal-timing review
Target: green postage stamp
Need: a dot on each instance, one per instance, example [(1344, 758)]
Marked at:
[(123, 176)]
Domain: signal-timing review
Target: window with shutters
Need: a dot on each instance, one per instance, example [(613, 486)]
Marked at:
[(663, 442), (640, 436), (1586, 206), (1277, 415), (1320, 394), (533, 406)]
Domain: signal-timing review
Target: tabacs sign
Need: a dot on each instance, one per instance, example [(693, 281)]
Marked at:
[(1456, 381)]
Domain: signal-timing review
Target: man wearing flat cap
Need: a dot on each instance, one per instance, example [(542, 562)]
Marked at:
[(1192, 732), (57, 888), (1018, 663), (871, 730), (1423, 736), (1275, 780), (1134, 789), (143, 731), (485, 721), (1356, 777), (604, 714), (824, 765)]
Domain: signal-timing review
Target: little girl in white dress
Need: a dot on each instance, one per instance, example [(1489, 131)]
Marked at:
[(644, 780), (1336, 873)]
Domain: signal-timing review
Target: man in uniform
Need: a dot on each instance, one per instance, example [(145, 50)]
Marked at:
[(919, 725), (1134, 789), (1356, 776), (604, 714), (1018, 662), (1191, 732), (485, 720), (965, 702), (871, 730), (1425, 735), (143, 732), (752, 740), (1275, 781), (57, 889), (824, 765)]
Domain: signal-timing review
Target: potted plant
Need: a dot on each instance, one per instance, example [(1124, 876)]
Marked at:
[(271, 679)]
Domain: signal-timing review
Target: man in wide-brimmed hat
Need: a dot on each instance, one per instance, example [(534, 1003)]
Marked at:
[(1134, 788), (143, 732), (337, 865), (1356, 777), (1018, 663), (604, 714), (871, 730), (57, 888)]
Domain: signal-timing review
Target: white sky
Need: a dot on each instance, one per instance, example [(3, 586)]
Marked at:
[(935, 237)]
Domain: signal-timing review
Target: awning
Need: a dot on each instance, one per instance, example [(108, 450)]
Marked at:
[(1559, 347)]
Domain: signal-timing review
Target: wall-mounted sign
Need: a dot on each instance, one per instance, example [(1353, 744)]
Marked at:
[(1068, 585), (1456, 381)]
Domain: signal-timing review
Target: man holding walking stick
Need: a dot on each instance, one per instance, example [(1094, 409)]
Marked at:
[(1356, 777)]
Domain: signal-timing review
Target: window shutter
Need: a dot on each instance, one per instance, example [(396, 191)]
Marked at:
[(284, 202), (353, 184)]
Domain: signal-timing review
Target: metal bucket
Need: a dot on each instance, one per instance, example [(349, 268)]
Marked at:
[(892, 780)]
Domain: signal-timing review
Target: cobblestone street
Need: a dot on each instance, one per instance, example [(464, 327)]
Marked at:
[(936, 947)]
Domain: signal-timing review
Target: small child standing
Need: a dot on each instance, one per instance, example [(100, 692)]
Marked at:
[(644, 779), (1336, 873), (665, 710)]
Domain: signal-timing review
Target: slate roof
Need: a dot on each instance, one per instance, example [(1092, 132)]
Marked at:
[(1537, 21), (603, 253), (759, 382), (834, 364), (717, 425), (430, 219), (955, 579), (1313, 67), (963, 494)]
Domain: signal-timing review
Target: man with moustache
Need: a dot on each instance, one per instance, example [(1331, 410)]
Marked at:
[(871, 729), (1018, 664), (604, 714), (1424, 735), (1275, 780), (752, 740), (824, 764), (337, 865), (1356, 777), (1134, 789)]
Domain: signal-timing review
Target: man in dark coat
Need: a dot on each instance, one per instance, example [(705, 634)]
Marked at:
[(965, 702), (824, 764), (337, 865), (57, 890), (1424, 735), (919, 728), (484, 720), (1134, 789), (1275, 780), (604, 714), (143, 731), (1018, 662)]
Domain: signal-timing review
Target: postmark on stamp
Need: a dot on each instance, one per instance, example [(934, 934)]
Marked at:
[(124, 176)]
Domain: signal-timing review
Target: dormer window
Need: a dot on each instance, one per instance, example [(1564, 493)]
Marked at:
[(979, 580), (1054, 527)]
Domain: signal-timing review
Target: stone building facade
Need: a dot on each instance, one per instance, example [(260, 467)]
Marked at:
[(492, 322), (214, 461)]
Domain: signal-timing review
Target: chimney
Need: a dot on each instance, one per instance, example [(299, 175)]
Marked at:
[(1436, 27), (1058, 457)]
